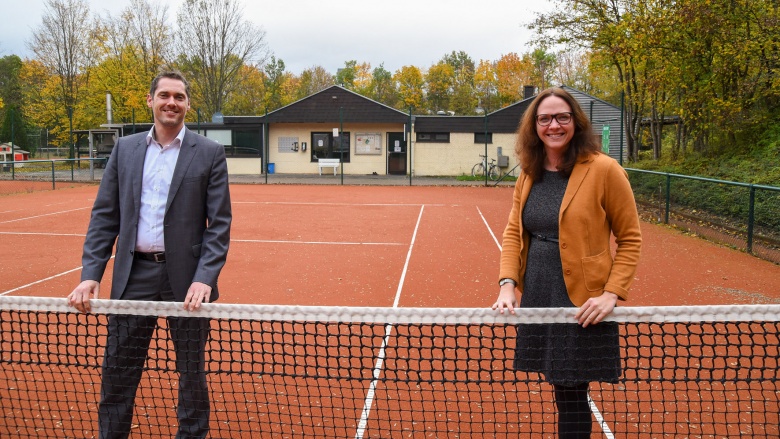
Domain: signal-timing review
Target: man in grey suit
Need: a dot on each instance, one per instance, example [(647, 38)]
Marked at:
[(164, 200)]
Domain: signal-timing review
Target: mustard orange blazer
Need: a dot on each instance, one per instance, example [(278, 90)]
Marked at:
[(598, 202)]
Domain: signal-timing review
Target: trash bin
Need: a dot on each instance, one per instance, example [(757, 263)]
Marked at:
[(271, 168)]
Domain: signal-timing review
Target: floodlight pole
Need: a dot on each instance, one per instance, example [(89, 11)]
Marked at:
[(409, 145), (72, 145), (622, 133), (486, 151), (13, 154), (266, 148)]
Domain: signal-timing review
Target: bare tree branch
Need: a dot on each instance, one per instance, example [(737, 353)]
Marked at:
[(215, 42)]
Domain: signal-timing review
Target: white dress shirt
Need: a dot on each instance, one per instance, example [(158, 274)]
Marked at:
[(159, 164)]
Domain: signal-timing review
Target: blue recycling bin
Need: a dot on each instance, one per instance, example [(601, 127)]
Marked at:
[(271, 168)]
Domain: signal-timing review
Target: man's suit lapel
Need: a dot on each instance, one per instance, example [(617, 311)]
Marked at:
[(186, 154), (137, 171)]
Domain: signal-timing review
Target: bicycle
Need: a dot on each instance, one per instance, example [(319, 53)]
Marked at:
[(479, 169)]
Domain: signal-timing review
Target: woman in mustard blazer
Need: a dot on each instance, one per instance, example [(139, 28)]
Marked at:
[(568, 201)]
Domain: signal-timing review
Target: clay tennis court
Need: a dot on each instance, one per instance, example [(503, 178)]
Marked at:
[(366, 246), (348, 245)]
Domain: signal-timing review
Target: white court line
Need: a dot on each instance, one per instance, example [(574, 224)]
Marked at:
[(600, 419), (305, 203), (44, 280), (232, 240), (593, 407), (273, 241), (45, 214), (489, 229), (43, 234), (380, 361)]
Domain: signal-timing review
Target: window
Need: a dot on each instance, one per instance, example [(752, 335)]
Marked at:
[(483, 137), (433, 137), (246, 143), (325, 146)]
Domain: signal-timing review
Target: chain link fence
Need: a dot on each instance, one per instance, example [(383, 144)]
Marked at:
[(740, 215)]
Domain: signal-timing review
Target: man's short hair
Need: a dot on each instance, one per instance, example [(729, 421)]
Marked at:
[(170, 74)]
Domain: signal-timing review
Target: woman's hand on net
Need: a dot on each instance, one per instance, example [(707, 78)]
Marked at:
[(595, 309), (506, 299)]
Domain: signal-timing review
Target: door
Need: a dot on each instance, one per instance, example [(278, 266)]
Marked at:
[(396, 154)]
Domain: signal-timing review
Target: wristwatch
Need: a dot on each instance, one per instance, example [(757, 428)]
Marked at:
[(506, 280)]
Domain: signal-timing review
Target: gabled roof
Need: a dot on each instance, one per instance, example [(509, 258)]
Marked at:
[(6, 148), (337, 104), (504, 120), (507, 119), (577, 93), (449, 124)]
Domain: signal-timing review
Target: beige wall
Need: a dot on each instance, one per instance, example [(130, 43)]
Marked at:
[(300, 162), (459, 155), (244, 166), (430, 159)]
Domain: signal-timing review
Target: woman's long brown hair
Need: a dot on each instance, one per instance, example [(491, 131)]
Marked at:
[(529, 148)]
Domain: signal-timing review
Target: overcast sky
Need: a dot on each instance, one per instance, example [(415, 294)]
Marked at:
[(306, 33)]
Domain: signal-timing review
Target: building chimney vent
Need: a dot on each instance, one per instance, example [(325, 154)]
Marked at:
[(529, 91), (109, 111)]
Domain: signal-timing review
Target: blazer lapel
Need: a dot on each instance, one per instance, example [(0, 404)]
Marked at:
[(575, 181), (138, 155), (186, 154)]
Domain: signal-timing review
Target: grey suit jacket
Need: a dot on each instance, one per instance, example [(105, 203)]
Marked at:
[(197, 215)]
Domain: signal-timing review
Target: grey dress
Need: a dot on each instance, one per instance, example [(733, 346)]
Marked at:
[(566, 354)]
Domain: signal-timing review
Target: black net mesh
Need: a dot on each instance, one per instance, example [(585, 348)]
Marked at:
[(389, 373)]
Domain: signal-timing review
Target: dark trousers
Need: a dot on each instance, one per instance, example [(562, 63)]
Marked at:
[(127, 345), (574, 417)]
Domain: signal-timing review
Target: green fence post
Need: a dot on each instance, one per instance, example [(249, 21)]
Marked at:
[(13, 154), (409, 145), (486, 151), (53, 178), (668, 196), (751, 218)]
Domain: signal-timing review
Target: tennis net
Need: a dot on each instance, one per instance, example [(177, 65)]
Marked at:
[(345, 372)]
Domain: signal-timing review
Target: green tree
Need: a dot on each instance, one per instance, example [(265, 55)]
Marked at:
[(513, 73), (711, 63), (463, 99), (439, 82), (363, 78), (10, 88), (313, 80), (410, 87), (544, 64), (39, 100), (382, 86), (346, 75), (602, 26), (486, 86), (248, 97), (64, 45), (13, 123), (11, 103), (214, 43), (274, 83)]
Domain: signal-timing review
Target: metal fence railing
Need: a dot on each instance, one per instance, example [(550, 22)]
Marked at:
[(744, 216), (741, 215), (32, 175)]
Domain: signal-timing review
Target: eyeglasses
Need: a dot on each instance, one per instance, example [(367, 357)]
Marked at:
[(546, 119)]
